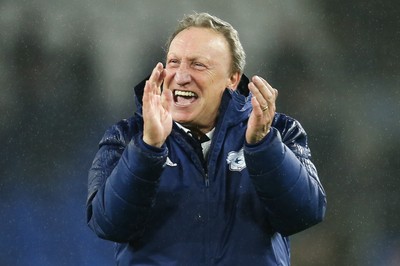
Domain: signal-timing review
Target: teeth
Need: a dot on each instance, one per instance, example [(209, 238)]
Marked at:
[(185, 93)]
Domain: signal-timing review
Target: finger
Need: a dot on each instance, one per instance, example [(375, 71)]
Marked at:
[(256, 106), (266, 83), (161, 73), (266, 90), (258, 95), (273, 90), (157, 77), (147, 90), (146, 99), (167, 99)]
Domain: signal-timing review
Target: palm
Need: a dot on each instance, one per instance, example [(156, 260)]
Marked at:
[(157, 120), (263, 102), (257, 126), (156, 109)]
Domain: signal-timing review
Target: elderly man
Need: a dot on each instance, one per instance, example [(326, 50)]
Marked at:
[(206, 172)]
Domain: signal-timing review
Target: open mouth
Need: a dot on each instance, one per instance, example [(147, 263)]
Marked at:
[(184, 98)]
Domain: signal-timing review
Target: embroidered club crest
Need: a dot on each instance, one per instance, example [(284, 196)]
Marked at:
[(170, 163), (236, 161)]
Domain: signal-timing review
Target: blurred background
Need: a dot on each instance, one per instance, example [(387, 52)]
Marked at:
[(67, 69)]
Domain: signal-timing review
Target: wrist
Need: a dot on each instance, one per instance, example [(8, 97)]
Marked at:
[(258, 137), (152, 143)]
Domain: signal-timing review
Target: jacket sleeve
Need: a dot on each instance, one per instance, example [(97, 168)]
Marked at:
[(285, 178), (123, 183)]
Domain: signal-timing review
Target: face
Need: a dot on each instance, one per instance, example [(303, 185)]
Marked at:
[(197, 72)]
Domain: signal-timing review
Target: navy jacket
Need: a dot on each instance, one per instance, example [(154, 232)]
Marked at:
[(169, 206)]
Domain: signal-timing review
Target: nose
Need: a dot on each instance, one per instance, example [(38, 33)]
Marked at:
[(182, 76)]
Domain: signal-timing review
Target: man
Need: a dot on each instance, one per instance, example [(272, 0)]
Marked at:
[(206, 172)]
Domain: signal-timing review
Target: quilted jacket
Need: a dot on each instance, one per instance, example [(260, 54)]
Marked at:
[(171, 206)]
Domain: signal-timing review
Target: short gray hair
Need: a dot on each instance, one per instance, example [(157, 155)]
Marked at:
[(205, 20)]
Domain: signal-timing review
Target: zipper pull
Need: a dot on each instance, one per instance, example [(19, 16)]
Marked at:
[(207, 181)]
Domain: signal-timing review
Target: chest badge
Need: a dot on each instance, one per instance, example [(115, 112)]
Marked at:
[(170, 163), (236, 162)]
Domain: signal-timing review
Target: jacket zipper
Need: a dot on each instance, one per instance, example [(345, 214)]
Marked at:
[(207, 247), (206, 180)]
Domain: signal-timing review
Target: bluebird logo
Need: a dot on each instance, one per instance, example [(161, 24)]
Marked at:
[(170, 163), (236, 161)]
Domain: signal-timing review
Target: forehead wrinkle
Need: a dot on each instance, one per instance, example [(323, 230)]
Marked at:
[(216, 42), (192, 57)]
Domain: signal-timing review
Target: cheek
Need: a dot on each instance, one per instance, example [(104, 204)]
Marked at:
[(213, 99)]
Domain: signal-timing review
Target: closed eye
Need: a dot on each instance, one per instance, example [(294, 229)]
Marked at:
[(199, 65), (173, 62)]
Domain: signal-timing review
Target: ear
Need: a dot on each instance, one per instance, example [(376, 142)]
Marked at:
[(234, 80)]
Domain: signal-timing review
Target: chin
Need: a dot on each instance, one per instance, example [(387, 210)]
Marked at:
[(182, 120), (183, 116)]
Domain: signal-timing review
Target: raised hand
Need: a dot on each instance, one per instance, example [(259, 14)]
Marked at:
[(156, 109), (263, 102)]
